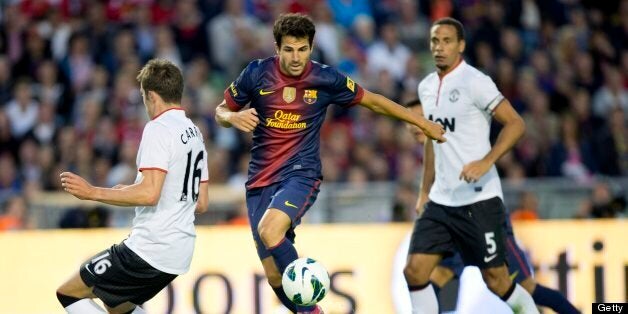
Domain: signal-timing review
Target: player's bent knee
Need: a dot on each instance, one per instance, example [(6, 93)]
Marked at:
[(415, 274), (270, 235)]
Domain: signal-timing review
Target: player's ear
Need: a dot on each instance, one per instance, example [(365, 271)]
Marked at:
[(463, 45), (277, 48), (152, 96)]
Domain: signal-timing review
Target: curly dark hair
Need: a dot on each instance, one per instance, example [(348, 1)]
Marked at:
[(294, 24)]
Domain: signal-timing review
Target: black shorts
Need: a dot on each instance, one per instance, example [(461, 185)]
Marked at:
[(118, 275), (477, 231)]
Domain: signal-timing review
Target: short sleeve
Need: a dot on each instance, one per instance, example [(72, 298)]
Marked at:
[(239, 92), (485, 94), (345, 92), (155, 151)]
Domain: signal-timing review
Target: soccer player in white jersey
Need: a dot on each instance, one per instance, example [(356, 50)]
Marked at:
[(171, 185), (460, 188)]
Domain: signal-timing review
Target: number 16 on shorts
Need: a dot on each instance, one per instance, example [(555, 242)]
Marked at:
[(100, 264)]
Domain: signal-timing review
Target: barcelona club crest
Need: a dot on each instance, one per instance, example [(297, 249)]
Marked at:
[(289, 94), (309, 96)]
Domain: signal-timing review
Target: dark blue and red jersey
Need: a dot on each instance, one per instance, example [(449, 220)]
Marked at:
[(291, 110)]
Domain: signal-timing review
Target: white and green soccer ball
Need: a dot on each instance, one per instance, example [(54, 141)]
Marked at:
[(305, 281)]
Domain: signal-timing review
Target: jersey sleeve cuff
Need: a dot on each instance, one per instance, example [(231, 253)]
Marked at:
[(358, 97), (233, 106), (494, 103), (153, 168)]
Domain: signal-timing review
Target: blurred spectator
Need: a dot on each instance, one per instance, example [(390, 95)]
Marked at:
[(612, 94), (14, 215), (542, 125), (602, 204), (527, 209), (611, 145), (345, 12), (328, 35), (386, 49), (414, 30), (224, 45), (97, 217), (10, 183), (8, 143), (22, 110), (189, 31), (5, 80), (569, 156)]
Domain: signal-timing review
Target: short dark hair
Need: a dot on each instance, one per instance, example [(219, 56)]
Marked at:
[(413, 103), (164, 78), (295, 25), (452, 22)]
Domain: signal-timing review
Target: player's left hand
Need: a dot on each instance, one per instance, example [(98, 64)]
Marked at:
[(76, 185), (473, 171), (434, 131)]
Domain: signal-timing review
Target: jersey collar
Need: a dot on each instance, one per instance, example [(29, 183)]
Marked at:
[(174, 108), (442, 75), (306, 71)]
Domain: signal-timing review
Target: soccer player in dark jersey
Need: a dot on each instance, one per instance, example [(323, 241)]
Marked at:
[(518, 265), (289, 95)]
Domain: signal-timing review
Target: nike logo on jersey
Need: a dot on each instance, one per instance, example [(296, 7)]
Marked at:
[(287, 203), (489, 258), (262, 92)]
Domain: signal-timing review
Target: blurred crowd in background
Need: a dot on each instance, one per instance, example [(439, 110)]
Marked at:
[(69, 99)]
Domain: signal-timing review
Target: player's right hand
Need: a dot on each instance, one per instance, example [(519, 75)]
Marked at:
[(76, 185), (434, 131), (245, 120)]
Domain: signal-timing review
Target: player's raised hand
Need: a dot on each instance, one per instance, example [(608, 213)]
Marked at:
[(473, 171), (76, 185), (245, 120), (434, 131)]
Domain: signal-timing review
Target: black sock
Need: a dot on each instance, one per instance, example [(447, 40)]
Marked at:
[(66, 300), (553, 299), (284, 299), (508, 293), (283, 253)]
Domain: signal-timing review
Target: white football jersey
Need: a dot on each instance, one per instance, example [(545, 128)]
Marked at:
[(463, 102), (163, 235)]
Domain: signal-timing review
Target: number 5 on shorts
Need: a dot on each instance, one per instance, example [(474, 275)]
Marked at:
[(490, 242)]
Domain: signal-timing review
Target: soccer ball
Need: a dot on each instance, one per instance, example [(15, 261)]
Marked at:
[(305, 281)]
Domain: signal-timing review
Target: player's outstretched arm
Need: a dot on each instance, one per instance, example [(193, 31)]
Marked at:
[(385, 106), (203, 198), (245, 120), (146, 192)]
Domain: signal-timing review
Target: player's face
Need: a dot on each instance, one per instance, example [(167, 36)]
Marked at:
[(294, 53), (445, 46), (416, 132)]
